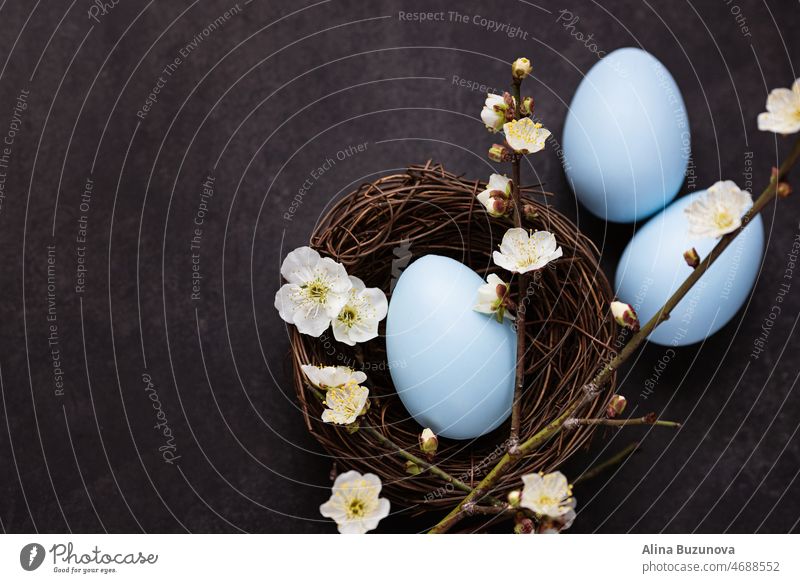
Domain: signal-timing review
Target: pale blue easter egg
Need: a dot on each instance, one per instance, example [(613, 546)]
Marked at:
[(452, 367), (626, 137), (652, 267)]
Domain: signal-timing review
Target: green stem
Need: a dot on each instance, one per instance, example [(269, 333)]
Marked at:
[(650, 419), (609, 463), (388, 443), (592, 389)]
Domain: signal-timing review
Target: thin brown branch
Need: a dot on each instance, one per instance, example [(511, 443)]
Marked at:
[(519, 377), (592, 389), (649, 419), (423, 464)]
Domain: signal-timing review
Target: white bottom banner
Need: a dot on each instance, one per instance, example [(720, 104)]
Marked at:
[(331, 558)]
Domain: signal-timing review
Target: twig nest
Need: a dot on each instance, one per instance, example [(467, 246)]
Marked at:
[(375, 232)]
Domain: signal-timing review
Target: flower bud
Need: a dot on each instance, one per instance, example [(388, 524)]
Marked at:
[(499, 206), (514, 498), (500, 153), (510, 106), (428, 442), (521, 68), (526, 107), (616, 406), (691, 257), (529, 211), (625, 315), (523, 524), (412, 468), (783, 189)]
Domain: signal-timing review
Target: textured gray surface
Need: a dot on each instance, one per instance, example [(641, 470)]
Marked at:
[(261, 102)]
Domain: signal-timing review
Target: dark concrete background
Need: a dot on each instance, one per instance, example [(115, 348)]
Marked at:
[(258, 104)]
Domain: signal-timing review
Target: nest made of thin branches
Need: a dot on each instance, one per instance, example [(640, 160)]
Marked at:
[(373, 232)]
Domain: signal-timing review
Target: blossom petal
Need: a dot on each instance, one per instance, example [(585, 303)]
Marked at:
[(311, 322), (783, 111), (498, 182), (381, 512), (299, 265), (285, 302), (503, 261)]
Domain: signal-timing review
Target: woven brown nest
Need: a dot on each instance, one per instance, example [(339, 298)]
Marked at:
[(427, 210)]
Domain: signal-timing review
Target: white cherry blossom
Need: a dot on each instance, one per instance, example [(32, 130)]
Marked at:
[(358, 319), (719, 211), (327, 377), (355, 503), (521, 251), (316, 291), (497, 195), (548, 495), (783, 111), (525, 136)]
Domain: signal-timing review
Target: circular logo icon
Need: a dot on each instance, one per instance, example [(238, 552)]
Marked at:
[(31, 556)]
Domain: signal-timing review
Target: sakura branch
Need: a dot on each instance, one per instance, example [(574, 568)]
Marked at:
[(428, 441), (649, 419), (783, 117), (520, 252)]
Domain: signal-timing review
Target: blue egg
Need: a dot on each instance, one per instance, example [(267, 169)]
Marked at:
[(452, 367), (652, 268), (626, 137)]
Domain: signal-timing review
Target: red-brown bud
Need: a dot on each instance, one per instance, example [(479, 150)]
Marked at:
[(500, 153), (616, 406), (625, 315), (691, 257), (526, 106)]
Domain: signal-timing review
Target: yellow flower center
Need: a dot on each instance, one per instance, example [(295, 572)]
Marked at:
[(545, 500), (345, 399), (527, 253), (524, 130), (723, 219), (348, 316), (317, 291), (356, 508)]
